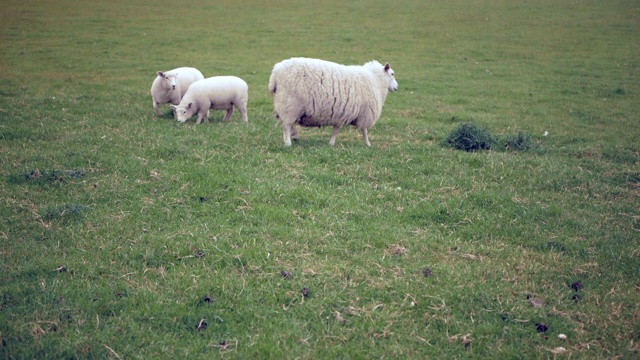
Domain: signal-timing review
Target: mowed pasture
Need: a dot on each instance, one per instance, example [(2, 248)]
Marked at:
[(127, 235)]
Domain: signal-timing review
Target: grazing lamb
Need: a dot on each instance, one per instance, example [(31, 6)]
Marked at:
[(170, 86), (218, 93), (313, 92)]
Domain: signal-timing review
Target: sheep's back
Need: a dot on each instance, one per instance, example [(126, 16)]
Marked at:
[(219, 88), (187, 76)]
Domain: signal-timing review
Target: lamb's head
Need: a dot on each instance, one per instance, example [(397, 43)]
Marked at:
[(168, 79), (183, 112), (390, 76)]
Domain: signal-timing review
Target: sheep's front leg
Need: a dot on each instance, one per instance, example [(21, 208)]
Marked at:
[(366, 137), (156, 107), (336, 130), (229, 113), (201, 115)]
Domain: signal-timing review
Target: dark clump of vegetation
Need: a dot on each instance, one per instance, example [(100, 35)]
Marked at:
[(520, 142), (470, 137), (52, 177), (67, 211)]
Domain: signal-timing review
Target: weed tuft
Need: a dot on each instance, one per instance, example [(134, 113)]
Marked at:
[(520, 142), (470, 137), (45, 177), (65, 212)]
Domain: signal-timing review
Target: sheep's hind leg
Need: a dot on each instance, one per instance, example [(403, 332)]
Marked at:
[(366, 137), (243, 111), (286, 132), (336, 130)]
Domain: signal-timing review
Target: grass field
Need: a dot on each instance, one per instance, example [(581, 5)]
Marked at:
[(126, 235)]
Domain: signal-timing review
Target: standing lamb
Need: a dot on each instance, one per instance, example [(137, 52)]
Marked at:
[(313, 92), (170, 86), (218, 93)]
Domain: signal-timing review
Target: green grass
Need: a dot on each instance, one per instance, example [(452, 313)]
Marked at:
[(122, 234)]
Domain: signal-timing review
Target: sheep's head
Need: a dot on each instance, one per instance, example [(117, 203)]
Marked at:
[(183, 112), (168, 79), (390, 76)]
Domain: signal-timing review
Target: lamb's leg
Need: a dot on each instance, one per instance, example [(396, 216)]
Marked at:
[(229, 113), (336, 130), (202, 115), (294, 132), (242, 107), (365, 137)]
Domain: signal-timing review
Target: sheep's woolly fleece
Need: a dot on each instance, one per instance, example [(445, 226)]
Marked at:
[(218, 93), (313, 92)]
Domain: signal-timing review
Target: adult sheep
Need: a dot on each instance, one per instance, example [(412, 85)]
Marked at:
[(218, 93), (170, 86), (313, 92)]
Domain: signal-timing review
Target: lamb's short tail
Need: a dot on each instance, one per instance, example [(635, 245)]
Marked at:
[(272, 84)]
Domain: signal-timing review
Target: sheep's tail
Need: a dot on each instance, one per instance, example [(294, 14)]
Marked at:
[(272, 84)]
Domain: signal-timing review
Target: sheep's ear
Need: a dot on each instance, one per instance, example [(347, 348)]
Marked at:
[(174, 107), (189, 106), (387, 67), (160, 73)]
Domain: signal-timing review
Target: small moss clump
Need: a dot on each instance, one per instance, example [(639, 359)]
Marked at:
[(470, 137)]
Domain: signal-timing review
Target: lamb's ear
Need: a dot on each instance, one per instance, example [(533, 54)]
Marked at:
[(174, 107), (160, 73), (189, 106), (387, 67)]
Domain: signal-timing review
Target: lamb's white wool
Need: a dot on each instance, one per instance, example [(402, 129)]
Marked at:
[(170, 86), (218, 93), (313, 92)]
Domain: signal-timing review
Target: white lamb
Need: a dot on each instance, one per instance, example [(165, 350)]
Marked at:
[(218, 93), (170, 86), (313, 92)]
